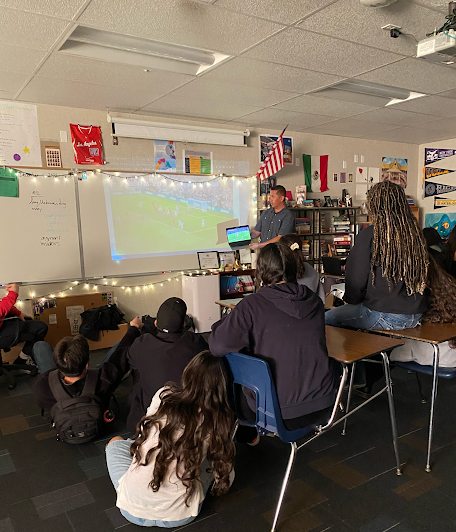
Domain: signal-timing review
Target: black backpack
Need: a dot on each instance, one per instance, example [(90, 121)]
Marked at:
[(106, 318), (77, 419)]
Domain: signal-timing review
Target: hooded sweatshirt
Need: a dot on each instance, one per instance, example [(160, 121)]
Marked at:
[(284, 325)]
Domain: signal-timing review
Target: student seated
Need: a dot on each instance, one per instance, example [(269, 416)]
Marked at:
[(158, 358), (307, 274), (22, 329), (181, 446), (441, 309), (70, 360), (449, 253), (386, 270), (435, 245), (282, 323)]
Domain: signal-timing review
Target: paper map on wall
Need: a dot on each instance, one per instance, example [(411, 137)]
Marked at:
[(19, 136)]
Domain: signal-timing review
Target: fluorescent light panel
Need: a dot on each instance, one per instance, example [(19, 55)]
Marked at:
[(117, 48), (367, 93)]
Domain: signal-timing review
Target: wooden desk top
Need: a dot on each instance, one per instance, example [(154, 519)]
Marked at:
[(346, 345), (433, 333)]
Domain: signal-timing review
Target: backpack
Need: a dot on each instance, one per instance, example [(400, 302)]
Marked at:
[(106, 318), (77, 419)]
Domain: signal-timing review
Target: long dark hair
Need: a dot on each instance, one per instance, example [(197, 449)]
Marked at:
[(289, 240), (450, 249), (442, 297), (276, 263), (191, 418), (398, 245)]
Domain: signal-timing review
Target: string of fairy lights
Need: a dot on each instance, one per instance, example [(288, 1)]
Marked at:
[(103, 283)]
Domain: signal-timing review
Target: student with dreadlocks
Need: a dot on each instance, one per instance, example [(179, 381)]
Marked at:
[(386, 271), (181, 446)]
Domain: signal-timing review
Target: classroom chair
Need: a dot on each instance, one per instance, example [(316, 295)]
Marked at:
[(444, 373), (255, 374), (6, 368)]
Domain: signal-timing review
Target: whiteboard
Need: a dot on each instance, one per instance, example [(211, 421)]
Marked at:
[(40, 232), (99, 238)]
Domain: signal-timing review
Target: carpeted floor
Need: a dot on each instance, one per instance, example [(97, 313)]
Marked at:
[(339, 483)]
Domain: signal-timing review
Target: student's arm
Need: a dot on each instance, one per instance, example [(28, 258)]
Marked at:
[(232, 333), (7, 307), (254, 233), (357, 268), (114, 369)]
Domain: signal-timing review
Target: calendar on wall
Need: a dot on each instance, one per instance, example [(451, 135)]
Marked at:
[(53, 159)]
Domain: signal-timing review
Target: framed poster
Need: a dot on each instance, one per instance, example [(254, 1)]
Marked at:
[(208, 260), (268, 141)]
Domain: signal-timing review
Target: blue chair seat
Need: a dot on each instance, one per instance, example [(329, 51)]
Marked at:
[(444, 373)]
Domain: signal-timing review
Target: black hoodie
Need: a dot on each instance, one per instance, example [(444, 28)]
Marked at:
[(283, 324)]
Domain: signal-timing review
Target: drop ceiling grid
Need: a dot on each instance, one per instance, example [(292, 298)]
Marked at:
[(274, 64)]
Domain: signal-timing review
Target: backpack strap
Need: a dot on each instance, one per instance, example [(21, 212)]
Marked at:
[(91, 381), (60, 394)]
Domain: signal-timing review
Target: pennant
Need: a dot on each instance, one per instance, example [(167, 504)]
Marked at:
[(440, 203), (432, 155), (430, 172), (435, 189), (316, 172)]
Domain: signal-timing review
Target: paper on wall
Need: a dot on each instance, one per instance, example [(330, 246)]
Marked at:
[(374, 175), (73, 314), (361, 192), (361, 174), (245, 256), (74, 310), (52, 319)]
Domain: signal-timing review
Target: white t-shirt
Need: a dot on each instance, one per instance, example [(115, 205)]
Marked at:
[(311, 279), (168, 503), (423, 353)]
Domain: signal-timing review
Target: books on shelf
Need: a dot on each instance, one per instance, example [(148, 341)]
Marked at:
[(302, 225), (306, 249)]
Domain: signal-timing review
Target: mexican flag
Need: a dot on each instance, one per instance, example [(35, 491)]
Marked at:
[(316, 172)]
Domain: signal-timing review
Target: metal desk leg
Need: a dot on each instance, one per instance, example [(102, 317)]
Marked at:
[(435, 378), (350, 389), (389, 391)]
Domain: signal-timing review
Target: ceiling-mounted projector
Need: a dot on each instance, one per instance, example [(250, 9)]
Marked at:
[(440, 48), (377, 3)]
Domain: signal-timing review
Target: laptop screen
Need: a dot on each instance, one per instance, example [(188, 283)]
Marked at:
[(238, 234)]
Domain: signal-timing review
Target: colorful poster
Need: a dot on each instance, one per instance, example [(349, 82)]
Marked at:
[(165, 156), (443, 223), (197, 162), (430, 172), (9, 184), (440, 203), (19, 136), (435, 189), (268, 141), (432, 155), (87, 145), (394, 170)]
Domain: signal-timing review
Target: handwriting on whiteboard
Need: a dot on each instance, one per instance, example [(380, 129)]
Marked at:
[(50, 241)]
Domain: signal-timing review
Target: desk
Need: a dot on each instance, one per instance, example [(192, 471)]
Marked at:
[(228, 304), (348, 347), (434, 334)]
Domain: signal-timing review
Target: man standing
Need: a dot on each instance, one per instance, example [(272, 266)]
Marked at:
[(276, 222)]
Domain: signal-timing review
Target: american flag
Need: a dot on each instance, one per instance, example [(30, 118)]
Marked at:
[(274, 160)]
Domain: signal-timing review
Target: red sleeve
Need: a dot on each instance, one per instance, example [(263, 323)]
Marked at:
[(7, 305)]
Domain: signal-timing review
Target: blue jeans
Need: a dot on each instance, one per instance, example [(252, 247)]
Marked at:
[(361, 317), (44, 356), (118, 460)]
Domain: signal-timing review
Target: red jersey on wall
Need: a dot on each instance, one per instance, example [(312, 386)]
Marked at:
[(87, 146)]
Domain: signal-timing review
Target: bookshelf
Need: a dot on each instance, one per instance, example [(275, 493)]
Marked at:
[(326, 231)]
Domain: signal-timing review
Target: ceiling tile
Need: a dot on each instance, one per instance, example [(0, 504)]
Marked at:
[(351, 127), (395, 117), (256, 73), (77, 94), (350, 20), (448, 94), (72, 68), (437, 5), (305, 49), (323, 106), (11, 81), (18, 59), (282, 118), (408, 135), (174, 21), (285, 12), (199, 108), (55, 8), (27, 29), (447, 126), (430, 105), (221, 92), (415, 75)]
